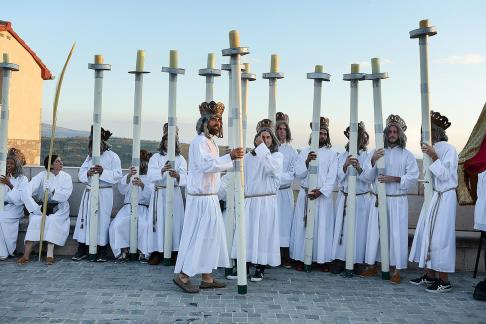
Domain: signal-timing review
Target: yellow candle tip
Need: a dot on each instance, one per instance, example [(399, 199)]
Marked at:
[(6, 58), (319, 69), (234, 38), (424, 23), (98, 59), (354, 68), (375, 65), (174, 59), (211, 61), (247, 67), (274, 63), (140, 60)]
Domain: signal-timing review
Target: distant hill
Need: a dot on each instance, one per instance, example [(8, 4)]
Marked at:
[(62, 132)]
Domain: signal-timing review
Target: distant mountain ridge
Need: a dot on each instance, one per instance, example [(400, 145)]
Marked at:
[(62, 132)]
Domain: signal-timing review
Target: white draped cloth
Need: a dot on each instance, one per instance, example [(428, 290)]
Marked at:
[(262, 180), (112, 173), (156, 230), (480, 208), (13, 211), (401, 163), (57, 225), (203, 240), (119, 231), (324, 216), (363, 187), (285, 195), (434, 243)]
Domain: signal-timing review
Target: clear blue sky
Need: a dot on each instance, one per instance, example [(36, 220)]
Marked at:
[(332, 33)]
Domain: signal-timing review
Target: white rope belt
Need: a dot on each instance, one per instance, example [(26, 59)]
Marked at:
[(261, 195)]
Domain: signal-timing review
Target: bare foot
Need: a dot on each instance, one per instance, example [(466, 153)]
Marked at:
[(23, 260)]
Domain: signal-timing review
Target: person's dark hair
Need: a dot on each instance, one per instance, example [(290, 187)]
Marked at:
[(163, 146), (275, 143), (438, 134), (19, 160), (327, 143), (144, 160), (53, 158), (363, 139), (202, 127), (288, 133), (402, 138)]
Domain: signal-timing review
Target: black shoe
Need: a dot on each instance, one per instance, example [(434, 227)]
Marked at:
[(121, 259), (102, 255), (424, 280), (81, 253), (233, 275), (439, 286), (142, 258), (257, 276)]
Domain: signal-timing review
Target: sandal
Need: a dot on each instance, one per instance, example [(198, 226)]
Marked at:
[(22, 260), (210, 285), (50, 261), (188, 287)]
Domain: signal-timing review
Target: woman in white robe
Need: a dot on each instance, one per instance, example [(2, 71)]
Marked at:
[(14, 183), (110, 173), (324, 217), (480, 208), (119, 231), (158, 171), (57, 221), (263, 167)]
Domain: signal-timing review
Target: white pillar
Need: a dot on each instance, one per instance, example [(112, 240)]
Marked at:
[(173, 71), (98, 66), (376, 77), (246, 77)]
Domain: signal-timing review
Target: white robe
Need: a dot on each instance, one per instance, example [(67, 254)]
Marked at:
[(112, 173), (57, 225), (363, 187), (480, 209), (155, 232), (13, 211), (119, 231), (203, 240), (399, 163), (436, 231), (324, 217), (285, 195), (262, 180)]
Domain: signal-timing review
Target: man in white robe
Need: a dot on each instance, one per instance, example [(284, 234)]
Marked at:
[(57, 222), (363, 187), (119, 232), (263, 168), (401, 173), (324, 218), (285, 194), (110, 173), (14, 183), (203, 241), (158, 171), (434, 243)]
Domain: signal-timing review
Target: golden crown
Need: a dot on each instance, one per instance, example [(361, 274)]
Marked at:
[(396, 120), (264, 123), (211, 109), (323, 123), (281, 117), (439, 120), (361, 129)]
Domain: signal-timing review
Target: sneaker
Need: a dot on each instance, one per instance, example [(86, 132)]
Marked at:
[(257, 276), (3, 258), (121, 259), (424, 280), (102, 255), (233, 275), (439, 286), (81, 253), (142, 259)]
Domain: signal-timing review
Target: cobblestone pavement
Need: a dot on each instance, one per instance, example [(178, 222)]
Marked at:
[(92, 292)]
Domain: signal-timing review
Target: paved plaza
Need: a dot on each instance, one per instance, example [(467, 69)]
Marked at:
[(70, 292)]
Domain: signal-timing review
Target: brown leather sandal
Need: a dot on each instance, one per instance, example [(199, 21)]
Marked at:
[(22, 260), (50, 261)]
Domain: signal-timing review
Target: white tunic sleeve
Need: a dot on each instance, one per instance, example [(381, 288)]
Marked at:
[(330, 180), (31, 189), (182, 170), (207, 163), (83, 171), (154, 170), (300, 167), (341, 175), (411, 172), (14, 196), (444, 167), (272, 163), (63, 188), (114, 174), (123, 186), (370, 172), (288, 175)]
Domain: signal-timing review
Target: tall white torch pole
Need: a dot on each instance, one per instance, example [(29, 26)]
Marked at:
[(272, 77), (210, 72), (99, 67), (245, 78), (376, 76), (7, 69), (354, 77), (235, 51), (318, 76), (137, 116), (173, 71), (423, 33)]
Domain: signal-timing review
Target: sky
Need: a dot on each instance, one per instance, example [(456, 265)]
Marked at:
[(331, 33)]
